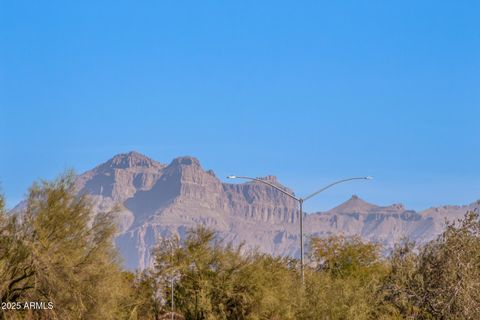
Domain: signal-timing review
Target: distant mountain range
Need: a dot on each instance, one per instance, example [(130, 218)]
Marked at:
[(159, 200)]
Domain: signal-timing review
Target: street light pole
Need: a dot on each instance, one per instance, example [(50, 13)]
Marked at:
[(172, 286), (173, 303), (300, 202)]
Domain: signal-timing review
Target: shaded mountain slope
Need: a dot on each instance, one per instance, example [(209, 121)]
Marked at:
[(157, 200)]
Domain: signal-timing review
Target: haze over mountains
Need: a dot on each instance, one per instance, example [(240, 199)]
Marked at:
[(159, 200)]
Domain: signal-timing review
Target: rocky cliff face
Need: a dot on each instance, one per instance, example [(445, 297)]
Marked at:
[(154, 200)]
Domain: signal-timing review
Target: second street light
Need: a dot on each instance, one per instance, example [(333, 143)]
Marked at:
[(300, 202)]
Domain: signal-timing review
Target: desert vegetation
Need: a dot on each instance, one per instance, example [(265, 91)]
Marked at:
[(57, 253)]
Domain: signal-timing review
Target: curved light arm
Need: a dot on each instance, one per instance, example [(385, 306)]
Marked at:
[(266, 182), (332, 184)]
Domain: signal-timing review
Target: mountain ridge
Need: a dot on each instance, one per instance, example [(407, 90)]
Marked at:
[(160, 200)]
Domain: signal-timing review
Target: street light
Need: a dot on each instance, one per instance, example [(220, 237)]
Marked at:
[(300, 202)]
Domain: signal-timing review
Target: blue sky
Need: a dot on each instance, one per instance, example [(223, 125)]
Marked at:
[(308, 91)]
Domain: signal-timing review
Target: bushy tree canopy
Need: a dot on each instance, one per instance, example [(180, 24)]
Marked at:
[(442, 280), (216, 281), (56, 250)]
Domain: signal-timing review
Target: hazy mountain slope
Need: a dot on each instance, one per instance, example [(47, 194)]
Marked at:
[(158, 200)]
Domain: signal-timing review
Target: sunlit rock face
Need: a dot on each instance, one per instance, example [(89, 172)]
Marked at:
[(154, 200)]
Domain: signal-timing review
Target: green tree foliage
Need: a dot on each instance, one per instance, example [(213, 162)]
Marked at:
[(345, 274), (57, 251), (442, 281), (16, 270), (343, 256), (216, 281), (345, 279), (2, 207), (145, 296)]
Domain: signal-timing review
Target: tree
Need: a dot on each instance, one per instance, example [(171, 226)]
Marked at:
[(344, 275), (344, 256), (16, 269), (57, 250), (146, 296), (442, 281), (216, 281)]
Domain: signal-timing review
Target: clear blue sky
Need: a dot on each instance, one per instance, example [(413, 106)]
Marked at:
[(308, 91)]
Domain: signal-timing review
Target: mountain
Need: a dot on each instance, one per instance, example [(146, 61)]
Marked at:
[(155, 200)]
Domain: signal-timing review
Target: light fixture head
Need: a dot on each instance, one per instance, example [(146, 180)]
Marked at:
[(231, 177), (369, 178)]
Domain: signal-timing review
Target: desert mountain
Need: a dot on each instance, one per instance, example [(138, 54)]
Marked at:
[(158, 200)]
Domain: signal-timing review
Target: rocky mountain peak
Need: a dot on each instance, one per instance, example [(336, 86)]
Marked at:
[(399, 206), (354, 201), (130, 160), (185, 161), (191, 181), (186, 167), (354, 204), (270, 178)]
